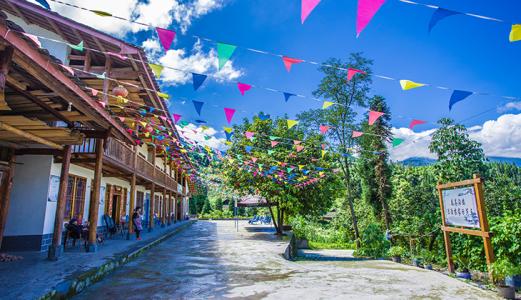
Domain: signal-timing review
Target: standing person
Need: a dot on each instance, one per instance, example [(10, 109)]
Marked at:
[(136, 221)]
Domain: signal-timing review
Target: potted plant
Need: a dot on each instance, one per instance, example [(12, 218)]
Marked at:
[(396, 253), (463, 265), (428, 259), (500, 270)]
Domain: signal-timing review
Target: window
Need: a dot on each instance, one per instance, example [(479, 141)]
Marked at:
[(75, 197), (140, 196)]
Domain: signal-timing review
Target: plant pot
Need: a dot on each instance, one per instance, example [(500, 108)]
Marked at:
[(506, 292), (464, 275), (428, 267), (397, 259), (513, 281), (416, 262)]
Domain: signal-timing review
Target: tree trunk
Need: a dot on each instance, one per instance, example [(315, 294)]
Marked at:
[(277, 229), (434, 235), (353, 217), (387, 215)]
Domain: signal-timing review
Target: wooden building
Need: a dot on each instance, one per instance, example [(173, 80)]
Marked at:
[(71, 146)]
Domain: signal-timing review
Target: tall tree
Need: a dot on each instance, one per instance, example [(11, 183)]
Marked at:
[(459, 157), (347, 96), (374, 168)]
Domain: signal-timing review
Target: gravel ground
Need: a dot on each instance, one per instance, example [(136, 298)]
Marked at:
[(214, 261)]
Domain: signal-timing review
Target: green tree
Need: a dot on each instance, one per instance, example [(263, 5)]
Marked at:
[(219, 204), (373, 164), (459, 157), (347, 96), (207, 207)]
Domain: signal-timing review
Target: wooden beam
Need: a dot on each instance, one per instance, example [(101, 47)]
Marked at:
[(5, 63), (55, 249), (151, 207), (6, 193), (29, 136), (106, 81), (42, 104), (38, 151), (95, 200)]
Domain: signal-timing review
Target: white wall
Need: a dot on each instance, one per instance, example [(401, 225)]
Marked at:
[(59, 50), (27, 210)]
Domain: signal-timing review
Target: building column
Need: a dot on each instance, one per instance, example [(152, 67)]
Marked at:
[(6, 194), (151, 208), (131, 205), (56, 248), (169, 208), (163, 215), (94, 202)]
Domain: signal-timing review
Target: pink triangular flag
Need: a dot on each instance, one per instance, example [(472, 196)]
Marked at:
[(366, 11), (297, 142), (351, 72), (166, 37), (249, 134), (299, 148), (274, 143), (122, 119), (306, 8), (254, 159), (103, 104), (69, 69), (288, 62), (162, 118), (416, 122), (243, 87), (33, 38), (324, 129), (118, 55), (176, 118), (357, 134), (374, 115), (229, 112)]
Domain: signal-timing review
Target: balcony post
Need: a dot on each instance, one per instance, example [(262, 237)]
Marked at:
[(5, 193), (152, 193), (132, 195), (94, 202)]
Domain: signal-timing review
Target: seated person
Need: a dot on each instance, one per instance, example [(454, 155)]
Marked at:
[(74, 228)]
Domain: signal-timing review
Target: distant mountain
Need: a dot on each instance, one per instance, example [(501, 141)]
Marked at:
[(417, 161), (425, 161)]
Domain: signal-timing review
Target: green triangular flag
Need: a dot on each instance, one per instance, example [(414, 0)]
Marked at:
[(206, 137), (224, 52), (270, 152), (102, 13), (273, 137), (157, 69), (163, 95), (78, 47), (397, 141)]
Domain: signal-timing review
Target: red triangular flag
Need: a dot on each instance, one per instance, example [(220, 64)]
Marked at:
[(324, 129), (166, 37), (374, 115), (416, 122), (351, 72), (288, 62)]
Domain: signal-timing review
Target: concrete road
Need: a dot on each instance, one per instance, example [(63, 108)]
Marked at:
[(213, 261)]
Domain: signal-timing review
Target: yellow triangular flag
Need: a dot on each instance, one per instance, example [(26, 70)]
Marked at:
[(300, 167), (147, 134), (292, 123), (228, 143), (407, 84), (143, 123), (163, 95), (157, 69), (228, 129), (320, 174), (327, 104), (183, 150), (323, 153), (515, 33)]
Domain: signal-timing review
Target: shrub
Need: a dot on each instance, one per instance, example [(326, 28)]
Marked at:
[(396, 251), (503, 268), (373, 242)]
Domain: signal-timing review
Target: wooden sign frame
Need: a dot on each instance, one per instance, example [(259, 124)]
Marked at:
[(484, 231)]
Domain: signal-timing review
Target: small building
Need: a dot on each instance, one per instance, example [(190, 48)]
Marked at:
[(76, 132)]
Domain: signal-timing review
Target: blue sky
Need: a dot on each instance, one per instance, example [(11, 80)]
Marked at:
[(461, 52)]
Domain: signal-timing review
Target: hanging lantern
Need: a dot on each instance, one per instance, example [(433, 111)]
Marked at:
[(120, 91)]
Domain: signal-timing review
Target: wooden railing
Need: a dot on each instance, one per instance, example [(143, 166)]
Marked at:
[(124, 155)]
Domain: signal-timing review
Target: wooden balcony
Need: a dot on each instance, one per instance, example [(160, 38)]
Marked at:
[(121, 156)]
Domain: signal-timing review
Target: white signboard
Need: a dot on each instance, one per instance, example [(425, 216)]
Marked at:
[(460, 207)]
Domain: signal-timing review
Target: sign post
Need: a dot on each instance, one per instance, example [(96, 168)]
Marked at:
[(463, 207)]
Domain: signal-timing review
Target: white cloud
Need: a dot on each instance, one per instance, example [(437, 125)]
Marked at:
[(198, 137), (197, 61), (510, 106), (501, 137), (158, 13)]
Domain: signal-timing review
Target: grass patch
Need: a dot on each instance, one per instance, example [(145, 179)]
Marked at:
[(319, 245)]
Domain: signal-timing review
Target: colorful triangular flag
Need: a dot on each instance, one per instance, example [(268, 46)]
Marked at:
[(366, 11), (357, 134), (291, 123), (440, 14), (351, 72), (287, 96), (229, 112), (198, 105), (324, 129), (197, 80), (299, 148), (416, 122), (515, 33), (156, 69), (327, 104), (397, 141), (374, 115), (274, 143), (78, 47), (289, 62), (249, 134), (458, 96), (44, 4), (166, 37), (224, 52), (243, 87), (408, 84), (307, 6)]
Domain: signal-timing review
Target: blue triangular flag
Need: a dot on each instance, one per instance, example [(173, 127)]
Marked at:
[(198, 105), (201, 121), (228, 135), (197, 80), (457, 96), (44, 4), (287, 96), (440, 14), (248, 149), (263, 117)]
